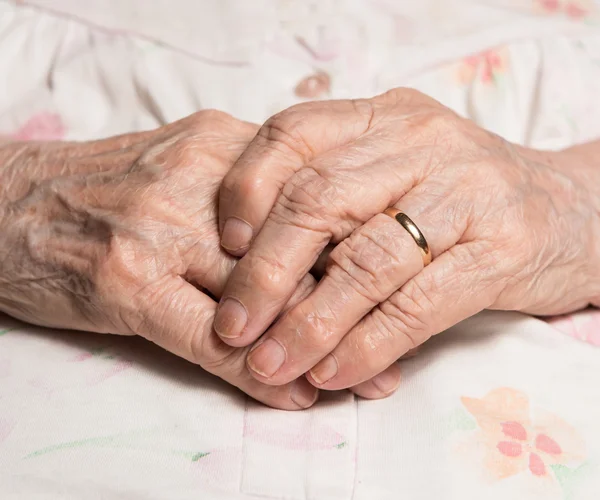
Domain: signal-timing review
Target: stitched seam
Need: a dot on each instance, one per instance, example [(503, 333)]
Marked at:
[(243, 459)]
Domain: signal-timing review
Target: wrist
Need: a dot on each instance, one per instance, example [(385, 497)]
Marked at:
[(572, 180), (581, 163)]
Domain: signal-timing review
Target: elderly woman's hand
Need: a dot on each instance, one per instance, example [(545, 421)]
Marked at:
[(508, 228), (120, 236)]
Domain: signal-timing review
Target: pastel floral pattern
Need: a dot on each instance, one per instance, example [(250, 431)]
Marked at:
[(584, 325), (214, 468), (484, 67), (43, 126), (114, 364), (573, 9), (517, 440)]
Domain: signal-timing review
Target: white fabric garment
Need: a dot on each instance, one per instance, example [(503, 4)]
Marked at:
[(502, 406)]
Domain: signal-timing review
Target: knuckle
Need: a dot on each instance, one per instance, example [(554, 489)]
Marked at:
[(472, 257), (407, 97), (247, 186), (216, 357), (407, 314), (360, 281), (315, 329), (374, 346), (283, 132), (400, 95), (207, 118), (268, 275), (186, 152), (443, 123), (310, 191), (370, 261), (302, 217)]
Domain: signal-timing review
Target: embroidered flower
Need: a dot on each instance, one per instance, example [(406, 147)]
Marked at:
[(517, 440)]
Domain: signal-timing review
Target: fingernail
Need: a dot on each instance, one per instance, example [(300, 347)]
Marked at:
[(386, 382), (267, 358), (237, 234), (231, 319), (303, 394), (325, 370)]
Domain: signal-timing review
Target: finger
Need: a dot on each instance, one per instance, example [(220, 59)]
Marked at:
[(209, 267), (314, 209), (283, 145), (290, 140), (219, 134), (385, 383), (304, 289), (459, 283), (179, 318), (364, 270), (380, 386), (321, 203)]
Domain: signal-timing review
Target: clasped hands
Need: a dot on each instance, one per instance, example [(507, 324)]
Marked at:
[(123, 236)]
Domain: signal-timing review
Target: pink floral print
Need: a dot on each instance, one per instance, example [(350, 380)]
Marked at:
[(114, 364), (584, 325), (573, 9), (43, 126), (516, 442), (485, 67)]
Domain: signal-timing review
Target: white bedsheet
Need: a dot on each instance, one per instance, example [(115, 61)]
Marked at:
[(500, 407)]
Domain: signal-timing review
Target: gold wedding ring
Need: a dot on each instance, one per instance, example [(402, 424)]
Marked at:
[(413, 230)]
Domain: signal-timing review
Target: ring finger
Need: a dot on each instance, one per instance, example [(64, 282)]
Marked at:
[(363, 271)]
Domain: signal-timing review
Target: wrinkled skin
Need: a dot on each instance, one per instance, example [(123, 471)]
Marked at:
[(120, 236), (509, 228)]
